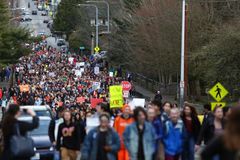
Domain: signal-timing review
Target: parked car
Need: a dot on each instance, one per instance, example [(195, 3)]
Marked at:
[(43, 110), (40, 7), (26, 19), (64, 49), (25, 13), (42, 144), (45, 21), (61, 42), (34, 12), (44, 13)]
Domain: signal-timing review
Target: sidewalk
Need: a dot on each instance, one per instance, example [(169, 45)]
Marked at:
[(150, 95)]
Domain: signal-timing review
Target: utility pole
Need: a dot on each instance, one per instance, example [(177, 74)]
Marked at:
[(182, 85), (91, 5), (186, 53)]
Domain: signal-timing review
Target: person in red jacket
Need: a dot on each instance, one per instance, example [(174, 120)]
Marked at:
[(120, 123)]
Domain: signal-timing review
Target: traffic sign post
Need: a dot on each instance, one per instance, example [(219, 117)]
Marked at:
[(126, 86), (220, 104), (81, 47), (218, 92), (96, 49)]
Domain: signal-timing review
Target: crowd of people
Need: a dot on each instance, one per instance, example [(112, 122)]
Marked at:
[(69, 83)]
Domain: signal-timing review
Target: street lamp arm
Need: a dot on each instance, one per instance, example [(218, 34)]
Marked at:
[(108, 12), (92, 5)]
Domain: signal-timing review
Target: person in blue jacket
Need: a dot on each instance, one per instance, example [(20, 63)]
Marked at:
[(174, 136), (140, 137), (102, 142)]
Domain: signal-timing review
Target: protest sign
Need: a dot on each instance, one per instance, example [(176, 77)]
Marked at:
[(96, 85), (70, 60), (96, 70), (24, 88), (82, 69), (78, 73), (80, 99), (126, 86), (80, 64), (95, 101), (136, 102), (92, 122), (116, 96), (110, 74)]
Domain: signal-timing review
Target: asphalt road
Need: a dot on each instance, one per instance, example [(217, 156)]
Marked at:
[(36, 26)]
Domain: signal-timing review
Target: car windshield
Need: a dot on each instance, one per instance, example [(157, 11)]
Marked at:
[(42, 129), (43, 113)]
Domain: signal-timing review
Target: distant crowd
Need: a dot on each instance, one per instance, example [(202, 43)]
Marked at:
[(76, 87)]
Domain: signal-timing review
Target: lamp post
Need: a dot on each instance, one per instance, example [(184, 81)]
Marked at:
[(92, 5), (108, 12), (182, 85)]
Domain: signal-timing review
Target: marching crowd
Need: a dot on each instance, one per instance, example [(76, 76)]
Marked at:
[(76, 88)]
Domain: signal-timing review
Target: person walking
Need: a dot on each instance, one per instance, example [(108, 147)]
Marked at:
[(120, 123), (174, 136), (166, 108), (102, 142), (155, 118), (140, 137), (9, 129), (207, 112), (227, 145), (193, 126), (211, 127), (158, 97), (68, 138)]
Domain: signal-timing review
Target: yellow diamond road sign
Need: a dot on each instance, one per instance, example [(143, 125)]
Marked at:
[(220, 104), (218, 92), (96, 49)]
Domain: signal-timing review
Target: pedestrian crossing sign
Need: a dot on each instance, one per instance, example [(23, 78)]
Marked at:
[(218, 92), (96, 49), (220, 104)]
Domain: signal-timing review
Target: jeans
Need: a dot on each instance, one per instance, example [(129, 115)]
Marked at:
[(216, 157), (188, 151)]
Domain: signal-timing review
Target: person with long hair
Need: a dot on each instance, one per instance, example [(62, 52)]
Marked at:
[(211, 128), (140, 137), (227, 145), (9, 129), (193, 126)]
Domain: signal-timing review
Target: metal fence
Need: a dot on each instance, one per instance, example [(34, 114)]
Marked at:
[(153, 85)]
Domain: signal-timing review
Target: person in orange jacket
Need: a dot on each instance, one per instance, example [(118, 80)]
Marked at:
[(120, 123)]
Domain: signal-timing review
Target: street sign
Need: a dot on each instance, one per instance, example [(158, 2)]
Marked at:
[(97, 49), (181, 84), (125, 94), (126, 86), (82, 48), (220, 104), (218, 92)]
